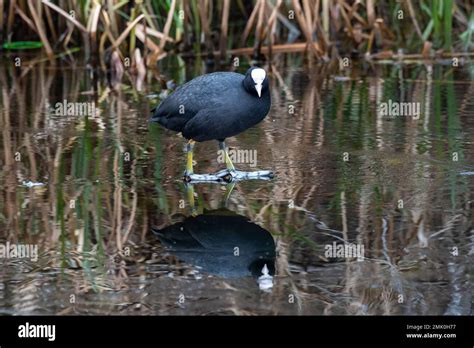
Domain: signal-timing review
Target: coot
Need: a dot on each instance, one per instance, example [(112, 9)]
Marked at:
[(221, 242), (215, 106)]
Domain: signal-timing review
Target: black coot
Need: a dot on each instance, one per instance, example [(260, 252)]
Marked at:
[(221, 243), (214, 107)]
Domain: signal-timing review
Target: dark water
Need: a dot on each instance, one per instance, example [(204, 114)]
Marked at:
[(87, 191)]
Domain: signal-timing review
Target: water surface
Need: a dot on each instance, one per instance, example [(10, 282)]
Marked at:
[(89, 191)]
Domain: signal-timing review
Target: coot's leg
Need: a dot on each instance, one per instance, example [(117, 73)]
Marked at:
[(190, 192), (228, 162), (189, 163), (228, 192)]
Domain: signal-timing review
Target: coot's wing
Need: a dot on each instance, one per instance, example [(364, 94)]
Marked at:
[(200, 93), (219, 122)]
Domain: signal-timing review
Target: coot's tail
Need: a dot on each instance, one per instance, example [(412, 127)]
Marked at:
[(161, 116), (154, 117), (161, 119)]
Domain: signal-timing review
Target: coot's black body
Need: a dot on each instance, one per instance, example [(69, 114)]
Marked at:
[(209, 241), (215, 106)]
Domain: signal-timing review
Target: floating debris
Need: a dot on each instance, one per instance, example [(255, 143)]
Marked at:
[(341, 78), (227, 177), (152, 96), (32, 184)]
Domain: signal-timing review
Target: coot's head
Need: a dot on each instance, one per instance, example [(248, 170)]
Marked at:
[(256, 81)]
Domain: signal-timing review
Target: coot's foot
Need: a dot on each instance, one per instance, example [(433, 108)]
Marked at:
[(228, 175), (187, 176)]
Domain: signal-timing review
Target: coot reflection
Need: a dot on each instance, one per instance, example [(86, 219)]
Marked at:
[(222, 243)]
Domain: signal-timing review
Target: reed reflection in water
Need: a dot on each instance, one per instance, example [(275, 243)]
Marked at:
[(89, 190)]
